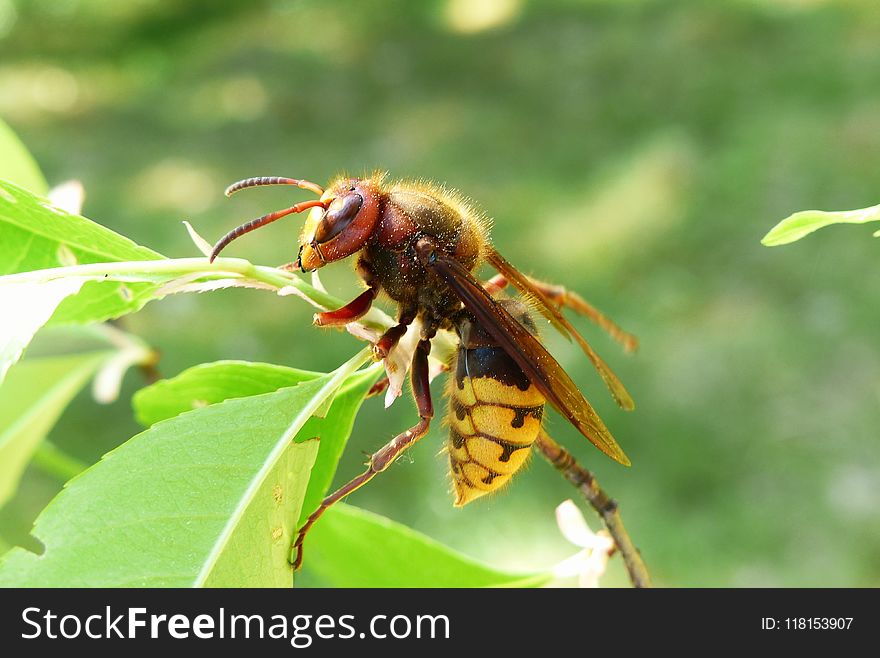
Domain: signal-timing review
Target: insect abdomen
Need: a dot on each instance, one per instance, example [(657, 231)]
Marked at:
[(494, 416)]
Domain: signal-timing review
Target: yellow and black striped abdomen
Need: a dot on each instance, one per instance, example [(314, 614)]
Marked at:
[(494, 416)]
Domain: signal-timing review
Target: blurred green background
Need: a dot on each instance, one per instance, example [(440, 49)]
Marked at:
[(636, 151)]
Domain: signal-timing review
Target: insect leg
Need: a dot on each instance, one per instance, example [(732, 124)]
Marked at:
[(562, 297), (379, 387), (496, 284), (386, 455), (355, 309), (391, 337)]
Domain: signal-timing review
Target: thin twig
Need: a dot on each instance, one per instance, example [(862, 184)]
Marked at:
[(586, 483)]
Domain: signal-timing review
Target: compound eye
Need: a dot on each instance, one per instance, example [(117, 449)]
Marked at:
[(339, 215)]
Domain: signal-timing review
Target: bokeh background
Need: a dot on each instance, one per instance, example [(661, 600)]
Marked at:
[(635, 150)]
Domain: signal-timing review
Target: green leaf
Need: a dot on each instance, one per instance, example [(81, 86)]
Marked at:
[(31, 297), (27, 306), (210, 383), (256, 553), (185, 503), (350, 547), (31, 400), (17, 164), (37, 235), (803, 223), (334, 431)]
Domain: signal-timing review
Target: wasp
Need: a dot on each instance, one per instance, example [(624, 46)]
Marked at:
[(420, 244)]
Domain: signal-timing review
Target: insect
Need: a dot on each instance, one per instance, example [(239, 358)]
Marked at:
[(420, 244)]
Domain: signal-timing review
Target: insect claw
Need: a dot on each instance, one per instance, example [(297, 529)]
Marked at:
[(298, 560)]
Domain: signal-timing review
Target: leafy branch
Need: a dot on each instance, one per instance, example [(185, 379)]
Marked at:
[(227, 466), (210, 493), (585, 482)]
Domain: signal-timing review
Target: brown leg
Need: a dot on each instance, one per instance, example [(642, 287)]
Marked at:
[(586, 483), (391, 337), (355, 309), (386, 455), (379, 387), (496, 284), (563, 297)]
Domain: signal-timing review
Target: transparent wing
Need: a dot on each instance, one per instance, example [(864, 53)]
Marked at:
[(534, 359), (521, 282)]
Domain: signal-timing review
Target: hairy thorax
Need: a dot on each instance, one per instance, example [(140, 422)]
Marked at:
[(410, 211)]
